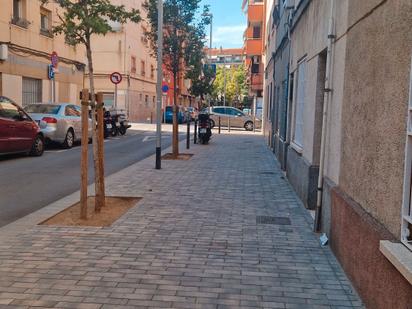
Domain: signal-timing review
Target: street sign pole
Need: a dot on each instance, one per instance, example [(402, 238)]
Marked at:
[(115, 96), (159, 83), (116, 78)]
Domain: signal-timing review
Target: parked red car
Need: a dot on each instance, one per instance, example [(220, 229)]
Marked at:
[(18, 132)]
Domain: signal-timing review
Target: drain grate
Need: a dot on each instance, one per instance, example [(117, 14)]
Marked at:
[(273, 220), (267, 173)]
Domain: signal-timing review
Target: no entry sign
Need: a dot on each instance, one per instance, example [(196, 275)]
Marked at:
[(116, 78), (54, 59)]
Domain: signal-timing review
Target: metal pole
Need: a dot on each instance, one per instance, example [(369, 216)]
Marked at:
[(159, 83), (210, 50), (219, 124), (115, 96)]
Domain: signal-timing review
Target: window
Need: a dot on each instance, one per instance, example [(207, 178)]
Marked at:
[(108, 99), (299, 105), (146, 100), (19, 13), (154, 99), (143, 68), (143, 38), (133, 68), (71, 111), (32, 91), (256, 31), (152, 71), (45, 22), (8, 110), (255, 68), (219, 110), (406, 227)]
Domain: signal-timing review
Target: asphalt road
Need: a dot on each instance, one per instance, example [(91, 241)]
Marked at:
[(30, 183)]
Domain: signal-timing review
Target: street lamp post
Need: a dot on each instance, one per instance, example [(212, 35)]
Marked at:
[(159, 83), (210, 42)]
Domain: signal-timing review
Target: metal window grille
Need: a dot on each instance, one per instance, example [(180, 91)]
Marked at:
[(32, 91), (406, 227)]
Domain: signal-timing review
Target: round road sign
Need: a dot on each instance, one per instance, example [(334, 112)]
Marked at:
[(165, 88), (54, 58), (116, 78)]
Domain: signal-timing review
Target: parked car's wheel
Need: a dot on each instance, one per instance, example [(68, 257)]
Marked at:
[(69, 140), (249, 126), (37, 148), (212, 123)]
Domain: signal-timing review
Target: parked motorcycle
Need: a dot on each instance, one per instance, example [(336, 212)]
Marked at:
[(205, 128), (124, 123), (111, 125)]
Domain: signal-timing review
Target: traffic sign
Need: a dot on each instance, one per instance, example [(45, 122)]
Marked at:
[(116, 78), (54, 58), (50, 71), (165, 88)]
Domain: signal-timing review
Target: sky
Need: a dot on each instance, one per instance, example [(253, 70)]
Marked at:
[(229, 23)]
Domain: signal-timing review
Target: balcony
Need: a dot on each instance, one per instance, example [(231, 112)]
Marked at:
[(253, 47), (20, 22)]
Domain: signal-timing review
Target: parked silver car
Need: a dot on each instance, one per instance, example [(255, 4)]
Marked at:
[(63, 121), (237, 118)]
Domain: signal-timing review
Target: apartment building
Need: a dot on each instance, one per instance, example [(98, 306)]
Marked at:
[(254, 38), (348, 119), (231, 57), (26, 46), (126, 51), (269, 73)]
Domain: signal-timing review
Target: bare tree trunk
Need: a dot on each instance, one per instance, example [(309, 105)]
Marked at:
[(84, 157), (100, 198), (175, 139)]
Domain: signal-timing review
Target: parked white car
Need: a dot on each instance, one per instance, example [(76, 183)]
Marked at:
[(63, 122)]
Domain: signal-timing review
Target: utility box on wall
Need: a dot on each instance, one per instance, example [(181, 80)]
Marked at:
[(4, 52)]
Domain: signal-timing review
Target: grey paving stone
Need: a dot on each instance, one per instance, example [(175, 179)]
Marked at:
[(183, 245)]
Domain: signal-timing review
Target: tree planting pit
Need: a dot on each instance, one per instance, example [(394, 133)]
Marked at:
[(115, 207), (180, 156)]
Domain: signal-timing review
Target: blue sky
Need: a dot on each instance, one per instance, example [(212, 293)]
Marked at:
[(229, 22)]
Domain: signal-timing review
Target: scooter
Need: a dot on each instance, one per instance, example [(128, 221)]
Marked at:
[(111, 126), (205, 128)]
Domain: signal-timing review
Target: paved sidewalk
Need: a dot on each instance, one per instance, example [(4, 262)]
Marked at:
[(193, 241)]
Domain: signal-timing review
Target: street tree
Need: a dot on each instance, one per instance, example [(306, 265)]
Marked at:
[(236, 84), (79, 21), (201, 75), (183, 27)]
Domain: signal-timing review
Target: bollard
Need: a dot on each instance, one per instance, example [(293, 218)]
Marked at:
[(195, 133), (228, 124), (188, 134), (219, 124)]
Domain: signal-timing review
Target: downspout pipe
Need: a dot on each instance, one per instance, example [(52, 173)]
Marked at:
[(327, 99)]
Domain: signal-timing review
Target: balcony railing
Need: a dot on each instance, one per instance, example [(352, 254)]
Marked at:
[(20, 21)]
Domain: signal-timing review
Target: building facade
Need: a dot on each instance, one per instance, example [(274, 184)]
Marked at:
[(281, 22), (26, 45), (126, 51), (348, 94), (254, 38), (231, 57), (269, 74)]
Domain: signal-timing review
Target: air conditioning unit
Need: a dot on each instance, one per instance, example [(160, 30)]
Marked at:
[(4, 52)]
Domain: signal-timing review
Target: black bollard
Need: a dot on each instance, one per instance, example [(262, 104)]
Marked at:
[(195, 133), (219, 125), (188, 134)]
